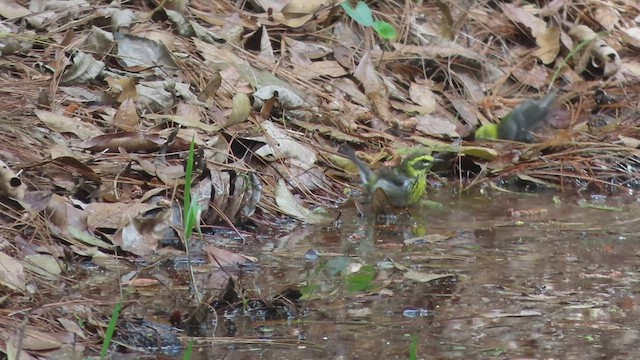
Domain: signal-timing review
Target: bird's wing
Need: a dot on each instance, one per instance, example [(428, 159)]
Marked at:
[(393, 176), (366, 174)]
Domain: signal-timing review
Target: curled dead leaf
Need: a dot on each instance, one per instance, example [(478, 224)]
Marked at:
[(598, 58), (10, 183)]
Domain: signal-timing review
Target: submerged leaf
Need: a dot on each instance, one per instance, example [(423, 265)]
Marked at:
[(425, 277)]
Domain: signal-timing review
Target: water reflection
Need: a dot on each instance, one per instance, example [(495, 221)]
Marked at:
[(544, 286)]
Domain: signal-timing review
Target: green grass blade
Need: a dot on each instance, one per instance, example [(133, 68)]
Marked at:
[(413, 348), (188, 351), (111, 328), (188, 219)]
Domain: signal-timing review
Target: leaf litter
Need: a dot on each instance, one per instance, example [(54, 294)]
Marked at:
[(99, 104)]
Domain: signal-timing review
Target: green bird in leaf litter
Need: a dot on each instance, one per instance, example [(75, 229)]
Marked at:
[(394, 186), (521, 122)]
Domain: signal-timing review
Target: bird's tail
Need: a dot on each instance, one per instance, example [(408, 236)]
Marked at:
[(548, 100), (535, 118), (366, 174)]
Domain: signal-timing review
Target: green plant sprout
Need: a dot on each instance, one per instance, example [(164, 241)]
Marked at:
[(111, 328), (362, 15), (190, 215)]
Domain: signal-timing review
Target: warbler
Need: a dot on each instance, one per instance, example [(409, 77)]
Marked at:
[(394, 186), (521, 122)]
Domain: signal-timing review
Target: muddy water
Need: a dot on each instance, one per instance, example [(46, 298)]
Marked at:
[(559, 282)]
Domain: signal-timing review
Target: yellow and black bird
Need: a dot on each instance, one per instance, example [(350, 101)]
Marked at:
[(394, 186)]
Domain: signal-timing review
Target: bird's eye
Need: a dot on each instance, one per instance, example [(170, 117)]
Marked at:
[(422, 164)]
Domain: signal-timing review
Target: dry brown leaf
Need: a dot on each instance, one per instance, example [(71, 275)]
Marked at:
[(380, 103), (189, 119), (142, 232), (225, 258), (64, 124), (62, 150), (474, 85), (607, 16), (135, 52), (62, 214), (547, 38), (434, 126), (13, 10), (524, 15), (306, 6), (220, 19), (271, 5), (279, 145), (533, 75), (289, 205), (72, 327), (35, 201), (113, 215), (629, 142), (142, 282), (287, 98), (296, 13), (440, 49), (406, 107), (549, 42), (309, 49), (330, 131), (241, 190), (631, 36), (349, 87), (163, 37), (126, 86), (368, 76), (467, 110), (632, 68), (266, 49), (171, 175), (47, 266), (130, 141), (422, 95), (13, 341), (69, 222), (12, 274), (76, 167), (300, 177), (36, 339), (126, 117), (211, 88), (176, 5), (220, 181), (320, 68)]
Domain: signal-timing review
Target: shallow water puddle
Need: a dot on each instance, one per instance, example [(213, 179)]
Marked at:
[(561, 283), (500, 276)]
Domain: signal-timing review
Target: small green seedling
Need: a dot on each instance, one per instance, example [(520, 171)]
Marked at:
[(362, 15)]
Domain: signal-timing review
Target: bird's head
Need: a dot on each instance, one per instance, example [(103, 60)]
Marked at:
[(417, 163)]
